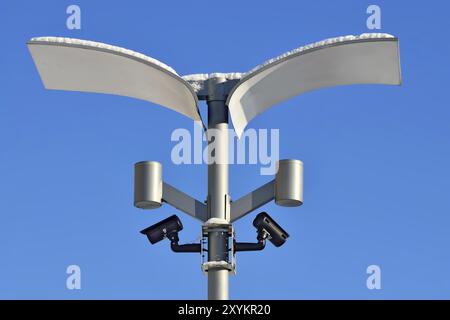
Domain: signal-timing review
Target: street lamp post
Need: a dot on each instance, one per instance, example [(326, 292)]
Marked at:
[(80, 65), (218, 195)]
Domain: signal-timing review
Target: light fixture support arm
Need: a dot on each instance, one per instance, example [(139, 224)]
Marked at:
[(183, 202), (253, 200)]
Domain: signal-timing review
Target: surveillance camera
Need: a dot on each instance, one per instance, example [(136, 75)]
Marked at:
[(267, 227), (166, 228)]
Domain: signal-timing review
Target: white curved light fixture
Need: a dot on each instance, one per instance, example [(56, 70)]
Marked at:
[(365, 59), (81, 65)]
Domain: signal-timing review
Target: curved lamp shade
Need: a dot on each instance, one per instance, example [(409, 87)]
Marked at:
[(80, 65), (365, 59)]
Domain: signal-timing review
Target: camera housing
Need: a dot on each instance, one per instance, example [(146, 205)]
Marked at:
[(169, 228), (268, 228), (163, 229)]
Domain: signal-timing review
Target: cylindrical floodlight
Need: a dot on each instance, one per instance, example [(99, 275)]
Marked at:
[(289, 183), (148, 186)]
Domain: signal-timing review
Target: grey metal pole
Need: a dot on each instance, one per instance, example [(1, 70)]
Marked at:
[(218, 199)]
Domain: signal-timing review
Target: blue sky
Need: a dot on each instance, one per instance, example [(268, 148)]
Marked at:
[(377, 174)]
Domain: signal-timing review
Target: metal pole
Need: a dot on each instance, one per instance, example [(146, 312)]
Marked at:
[(218, 199)]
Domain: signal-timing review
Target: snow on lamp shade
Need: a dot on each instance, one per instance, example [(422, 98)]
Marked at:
[(148, 185)]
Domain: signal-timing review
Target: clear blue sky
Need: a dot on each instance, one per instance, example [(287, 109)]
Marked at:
[(377, 158)]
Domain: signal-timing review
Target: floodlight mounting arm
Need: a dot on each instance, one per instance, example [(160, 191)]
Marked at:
[(253, 200), (183, 202)]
